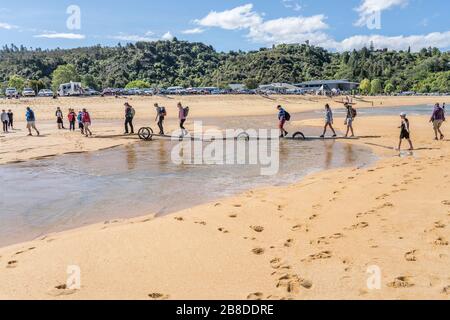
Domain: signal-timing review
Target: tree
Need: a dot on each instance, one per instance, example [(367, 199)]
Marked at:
[(64, 74), (389, 88), (139, 84), (17, 82), (375, 87), (251, 84), (89, 81), (365, 86)]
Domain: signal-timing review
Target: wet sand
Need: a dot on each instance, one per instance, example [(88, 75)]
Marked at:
[(311, 240), (107, 116)]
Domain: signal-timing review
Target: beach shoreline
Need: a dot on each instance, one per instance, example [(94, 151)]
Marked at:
[(315, 239)]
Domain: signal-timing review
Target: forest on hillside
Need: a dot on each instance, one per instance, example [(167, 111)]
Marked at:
[(181, 63)]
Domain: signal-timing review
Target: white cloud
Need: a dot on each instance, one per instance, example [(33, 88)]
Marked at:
[(7, 26), (369, 7), (416, 42), (70, 36), (238, 18), (193, 31), (291, 4), (133, 37), (289, 30), (167, 36)]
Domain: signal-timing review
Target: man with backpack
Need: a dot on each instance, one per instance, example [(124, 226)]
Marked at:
[(182, 116), (283, 116), (161, 113), (438, 118), (351, 115), (129, 116)]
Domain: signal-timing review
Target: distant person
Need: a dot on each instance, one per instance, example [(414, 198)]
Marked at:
[(182, 116), (80, 121), (59, 118), (10, 119), (4, 118), (86, 123), (161, 114), (438, 118), (405, 132), (283, 116), (328, 121), (72, 117), (351, 114), (129, 116), (31, 121)]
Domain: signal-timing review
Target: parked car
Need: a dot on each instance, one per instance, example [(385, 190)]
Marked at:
[(11, 92), (45, 93), (91, 92), (28, 92)]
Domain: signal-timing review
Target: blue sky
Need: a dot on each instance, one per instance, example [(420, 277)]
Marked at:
[(229, 25)]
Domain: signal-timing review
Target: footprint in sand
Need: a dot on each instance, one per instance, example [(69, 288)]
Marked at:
[(158, 296), (203, 223), (258, 229), (300, 227), (446, 203), (446, 290), (179, 218), (314, 216), (289, 243), (20, 252), (237, 205), (223, 230), (441, 242), (292, 283), (411, 256), (401, 282), (233, 216), (337, 236), (319, 241), (361, 225), (61, 290), (258, 251), (439, 225), (255, 296), (12, 264), (320, 256)]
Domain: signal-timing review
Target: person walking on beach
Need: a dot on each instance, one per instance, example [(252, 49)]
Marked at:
[(72, 117), (59, 118), (4, 118), (86, 118), (182, 116), (351, 114), (31, 121), (438, 118), (405, 132), (10, 119), (80, 122), (160, 116), (328, 121), (129, 116), (283, 116)]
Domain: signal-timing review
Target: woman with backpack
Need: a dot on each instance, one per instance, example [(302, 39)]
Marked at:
[(182, 116), (351, 115), (283, 116), (72, 117)]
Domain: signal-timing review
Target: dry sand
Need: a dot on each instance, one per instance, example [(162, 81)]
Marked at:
[(312, 240)]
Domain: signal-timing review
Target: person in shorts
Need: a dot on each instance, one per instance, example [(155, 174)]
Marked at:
[(437, 119), (31, 121), (405, 133), (328, 121)]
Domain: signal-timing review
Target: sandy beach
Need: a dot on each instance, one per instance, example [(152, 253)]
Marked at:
[(316, 239)]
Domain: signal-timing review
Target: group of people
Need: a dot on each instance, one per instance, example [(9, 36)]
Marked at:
[(7, 119), (83, 119), (437, 119)]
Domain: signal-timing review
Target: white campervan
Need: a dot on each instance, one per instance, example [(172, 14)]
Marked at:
[(70, 89)]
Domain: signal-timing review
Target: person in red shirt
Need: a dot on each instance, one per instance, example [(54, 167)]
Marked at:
[(72, 117), (86, 123)]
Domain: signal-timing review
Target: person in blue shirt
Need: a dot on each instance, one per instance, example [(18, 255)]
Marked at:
[(282, 117), (80, 122), (31, 121), (328, 121)]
